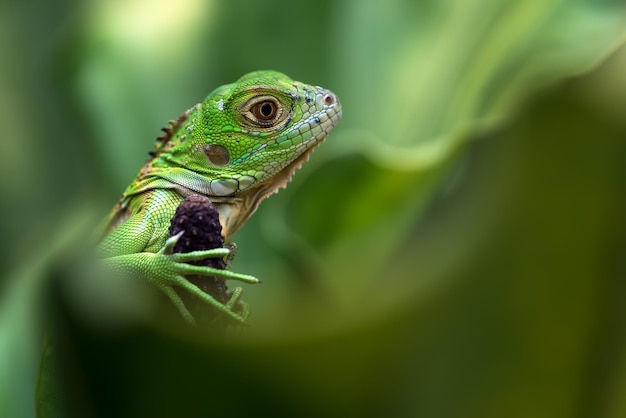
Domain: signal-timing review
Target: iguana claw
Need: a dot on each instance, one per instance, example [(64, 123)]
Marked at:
[(168, 248)]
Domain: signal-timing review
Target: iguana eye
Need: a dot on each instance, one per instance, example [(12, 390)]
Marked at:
[(264, 111)]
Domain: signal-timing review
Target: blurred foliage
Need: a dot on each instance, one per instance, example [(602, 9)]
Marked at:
[(456, 248)]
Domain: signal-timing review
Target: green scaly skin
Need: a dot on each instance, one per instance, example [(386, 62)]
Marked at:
[(237, 147)]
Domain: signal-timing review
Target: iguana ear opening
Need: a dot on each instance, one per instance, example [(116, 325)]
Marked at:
[(217, 154)]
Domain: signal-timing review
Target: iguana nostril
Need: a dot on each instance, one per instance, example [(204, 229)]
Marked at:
[(329, 99)]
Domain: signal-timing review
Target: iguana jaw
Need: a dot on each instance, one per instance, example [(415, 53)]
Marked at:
[(235, 211)]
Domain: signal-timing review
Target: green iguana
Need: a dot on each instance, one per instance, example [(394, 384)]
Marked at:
[(237, 147)]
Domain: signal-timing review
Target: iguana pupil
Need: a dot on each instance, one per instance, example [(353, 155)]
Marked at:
[(267, 109)]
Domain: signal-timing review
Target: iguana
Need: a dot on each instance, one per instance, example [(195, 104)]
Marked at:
[(237, 147)]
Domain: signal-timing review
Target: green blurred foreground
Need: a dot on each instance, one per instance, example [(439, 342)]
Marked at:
[(455, 249)]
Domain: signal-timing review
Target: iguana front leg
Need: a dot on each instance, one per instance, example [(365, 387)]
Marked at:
[(124, 251)]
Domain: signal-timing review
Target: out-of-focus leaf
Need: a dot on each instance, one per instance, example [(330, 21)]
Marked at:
[(447, 72), (449, 67), (23, 320)]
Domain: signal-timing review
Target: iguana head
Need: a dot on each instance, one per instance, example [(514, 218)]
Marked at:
[(247, 138)]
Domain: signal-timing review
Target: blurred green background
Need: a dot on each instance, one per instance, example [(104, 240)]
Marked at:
[(455, 249)]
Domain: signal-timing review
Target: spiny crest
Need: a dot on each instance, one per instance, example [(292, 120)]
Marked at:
[(162, 142)]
